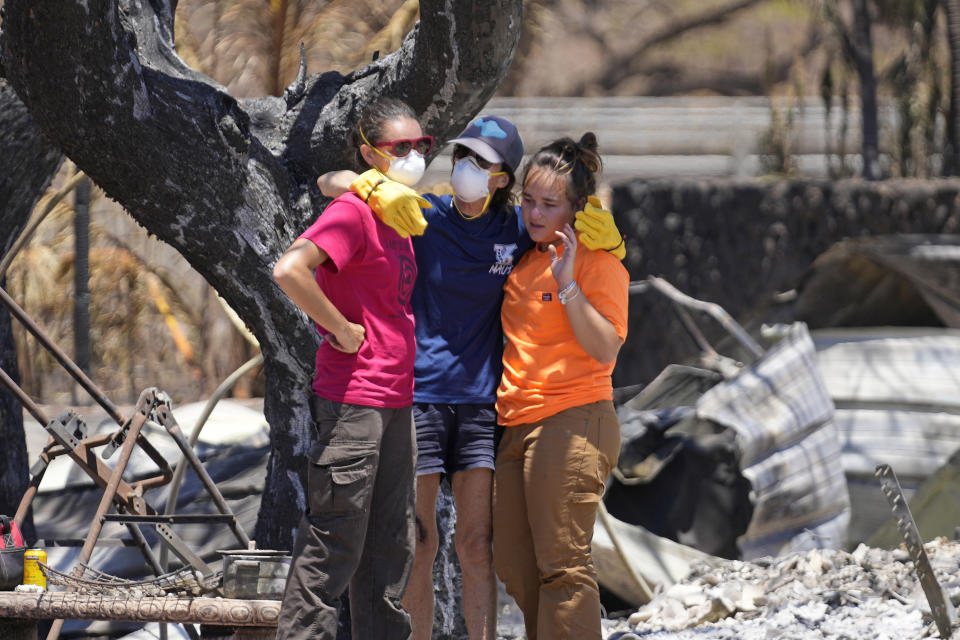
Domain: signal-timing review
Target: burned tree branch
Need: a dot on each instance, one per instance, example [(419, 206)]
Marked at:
[(624, 65)]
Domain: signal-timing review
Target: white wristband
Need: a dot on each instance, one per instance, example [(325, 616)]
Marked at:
[(569, 292)]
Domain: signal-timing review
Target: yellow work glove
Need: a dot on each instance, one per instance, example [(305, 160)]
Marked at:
[(396, 204), (598, 230)]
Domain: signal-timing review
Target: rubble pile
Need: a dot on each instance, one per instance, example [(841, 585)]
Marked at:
[(869, 593)]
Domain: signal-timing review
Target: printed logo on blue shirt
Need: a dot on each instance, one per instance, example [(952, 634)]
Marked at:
[(504, 256)]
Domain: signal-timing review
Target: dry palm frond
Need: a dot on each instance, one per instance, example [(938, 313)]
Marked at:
[(254, 47), (170, 288), (155, 289), (37, 272), (391, 36), (128, 351)]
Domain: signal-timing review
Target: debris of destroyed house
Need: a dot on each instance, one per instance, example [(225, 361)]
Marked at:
[(884, 314), (729, 460), (821, 593)]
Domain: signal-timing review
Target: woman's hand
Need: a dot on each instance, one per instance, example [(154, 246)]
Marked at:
[(594, 333), (349, 340), (294, 272), (562, 267)]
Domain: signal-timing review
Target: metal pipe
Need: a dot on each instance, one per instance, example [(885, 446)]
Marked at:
[(106, 500), (26, 500), (693, 330), (84, 381), (61, 357), (141, 542), (166, 418), (109, 493), (181, 469), (22, 396), (638, 580), (714, 310)]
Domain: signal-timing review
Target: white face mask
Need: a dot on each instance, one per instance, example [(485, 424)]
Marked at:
[(407, 170), (470, 182)]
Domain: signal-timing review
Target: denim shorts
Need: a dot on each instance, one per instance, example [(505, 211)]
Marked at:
[(454, 437)]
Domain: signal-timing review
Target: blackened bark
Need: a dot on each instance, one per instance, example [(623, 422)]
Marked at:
[(27, 165), (231, 184)]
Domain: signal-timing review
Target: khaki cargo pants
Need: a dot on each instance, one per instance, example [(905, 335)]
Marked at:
[(549, 479), (359, 526)]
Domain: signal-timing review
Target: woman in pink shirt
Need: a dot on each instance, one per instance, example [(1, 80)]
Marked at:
[(353, 275)]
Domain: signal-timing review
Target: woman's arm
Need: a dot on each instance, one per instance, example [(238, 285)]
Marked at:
[(294, 273), (595, 334), (336, 183)]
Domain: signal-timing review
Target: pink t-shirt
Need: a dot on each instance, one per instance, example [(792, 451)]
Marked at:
[(369, 278)]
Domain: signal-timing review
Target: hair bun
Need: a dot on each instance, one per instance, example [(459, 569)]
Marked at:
[(589, 142), (589, 155)]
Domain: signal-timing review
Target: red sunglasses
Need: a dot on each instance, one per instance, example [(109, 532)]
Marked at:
[(402, 146)]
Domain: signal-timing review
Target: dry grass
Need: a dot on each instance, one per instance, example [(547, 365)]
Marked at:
[(145, 331)]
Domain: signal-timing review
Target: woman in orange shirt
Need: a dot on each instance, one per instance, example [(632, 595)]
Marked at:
[(564, 317)]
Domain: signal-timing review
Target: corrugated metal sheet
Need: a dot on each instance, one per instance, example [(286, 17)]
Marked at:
[(781, 411), (897, 397)]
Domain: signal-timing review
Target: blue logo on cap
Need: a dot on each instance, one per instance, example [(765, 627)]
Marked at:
[(490, 129)]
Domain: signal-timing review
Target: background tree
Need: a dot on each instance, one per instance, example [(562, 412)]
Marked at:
[(27, 165), (952, 150), (81, 279), (656, 48), (231, 183), (856, 42), (861, 48)]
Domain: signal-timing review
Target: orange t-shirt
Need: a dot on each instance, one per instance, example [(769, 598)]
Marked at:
[(545, 370)]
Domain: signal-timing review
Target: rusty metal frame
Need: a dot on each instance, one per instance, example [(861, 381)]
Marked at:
[(681, 304), (68, 437)]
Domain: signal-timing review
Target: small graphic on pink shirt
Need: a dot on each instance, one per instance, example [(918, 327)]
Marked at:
[(407, 276)]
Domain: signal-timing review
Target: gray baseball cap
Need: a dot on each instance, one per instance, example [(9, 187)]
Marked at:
[(495, 139)]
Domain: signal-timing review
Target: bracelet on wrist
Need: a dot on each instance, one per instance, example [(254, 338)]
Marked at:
[(568, 293)]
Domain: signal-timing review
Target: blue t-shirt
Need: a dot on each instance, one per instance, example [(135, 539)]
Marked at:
[(462, 266)]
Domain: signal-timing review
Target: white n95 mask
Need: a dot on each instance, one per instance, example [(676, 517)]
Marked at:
[(407, 170), (470, 182)]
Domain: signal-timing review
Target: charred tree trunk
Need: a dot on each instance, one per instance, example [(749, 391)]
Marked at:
[(228, 183), (27, 165)]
